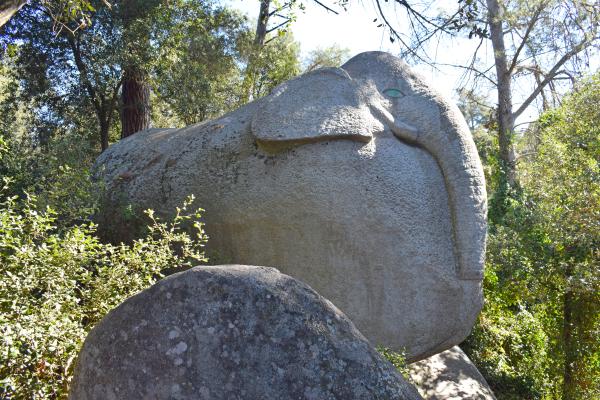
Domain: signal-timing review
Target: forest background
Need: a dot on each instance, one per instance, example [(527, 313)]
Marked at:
[(78, 75)]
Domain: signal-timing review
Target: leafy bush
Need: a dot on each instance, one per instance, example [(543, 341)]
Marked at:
[(58, 174), (398, 360), (537, 336), (56, 284), (509, 344)]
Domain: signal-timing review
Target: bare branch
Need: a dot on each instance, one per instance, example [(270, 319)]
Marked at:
[(585, 43), (278, 26), (325, 7), (534, 19), (465, 76), (471, 69), (397, 35), (83, 72), (421, 18), (279, 9)]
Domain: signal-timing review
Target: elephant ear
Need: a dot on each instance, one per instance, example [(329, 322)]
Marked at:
[(321, 105)]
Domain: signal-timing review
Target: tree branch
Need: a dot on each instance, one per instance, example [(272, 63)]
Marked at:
[(466, 73), (325, 7), (472, 69), (83, 73), (113, 102), (278, 26), (585, 43), (9, 8), (278, 9), (397, 35), (420, 17), (534, 19)]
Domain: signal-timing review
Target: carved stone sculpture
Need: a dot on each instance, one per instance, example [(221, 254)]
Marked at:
[(362, 181)]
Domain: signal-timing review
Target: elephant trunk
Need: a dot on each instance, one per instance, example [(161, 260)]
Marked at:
[(457, 157), (456, 154), (417, 114)]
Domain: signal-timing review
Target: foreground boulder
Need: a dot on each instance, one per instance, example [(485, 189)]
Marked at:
[(450, 375), (362, 181), (231, 332)]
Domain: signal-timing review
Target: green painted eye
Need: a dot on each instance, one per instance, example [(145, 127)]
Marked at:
[(393, 93)]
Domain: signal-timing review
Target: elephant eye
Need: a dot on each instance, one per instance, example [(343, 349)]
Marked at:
[(393, 93)]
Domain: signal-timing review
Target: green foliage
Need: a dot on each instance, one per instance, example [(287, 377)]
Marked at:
[(397, 359), (276, 62), (68, 82), (509, 343), (191, 53), (538, 335), (196, 70), (332, 56), (57, 172), (69, 14), (55, 285), (564, 181)]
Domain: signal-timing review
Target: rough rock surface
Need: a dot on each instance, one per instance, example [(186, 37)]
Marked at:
[(361, 181), (450, 375), (232, 332)]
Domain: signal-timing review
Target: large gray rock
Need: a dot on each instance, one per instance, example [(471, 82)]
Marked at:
[(450, 375), (362, 181), (231, 332)]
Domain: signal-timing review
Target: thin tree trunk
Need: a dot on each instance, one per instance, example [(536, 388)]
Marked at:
[(8, 8), (261, 25), (135, 95), (569, 341), (104, 128), (506, 123), (98, 102), (545, 102), (259, 42)]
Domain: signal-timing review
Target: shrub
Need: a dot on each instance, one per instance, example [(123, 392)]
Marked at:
[(56, 284), (398, 360)]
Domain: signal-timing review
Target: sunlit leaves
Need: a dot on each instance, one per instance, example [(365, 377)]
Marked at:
[(56, 285)]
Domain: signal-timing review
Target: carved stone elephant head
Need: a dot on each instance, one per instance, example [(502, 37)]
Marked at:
[(362, 181)]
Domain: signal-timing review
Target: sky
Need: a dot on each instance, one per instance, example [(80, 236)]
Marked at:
[(355, 30)]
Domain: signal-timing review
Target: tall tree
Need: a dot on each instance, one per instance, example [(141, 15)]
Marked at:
[(71, 68), (135, 90), (201, 50), (272, 25), (189, 51), (260, 36), (533, 29)]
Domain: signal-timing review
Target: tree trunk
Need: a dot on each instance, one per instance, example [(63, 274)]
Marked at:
[(506, 123), (259, 42), (103, 133), (568, 341), (261, 25), (135, 95), (8, 8), (135, 90)]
